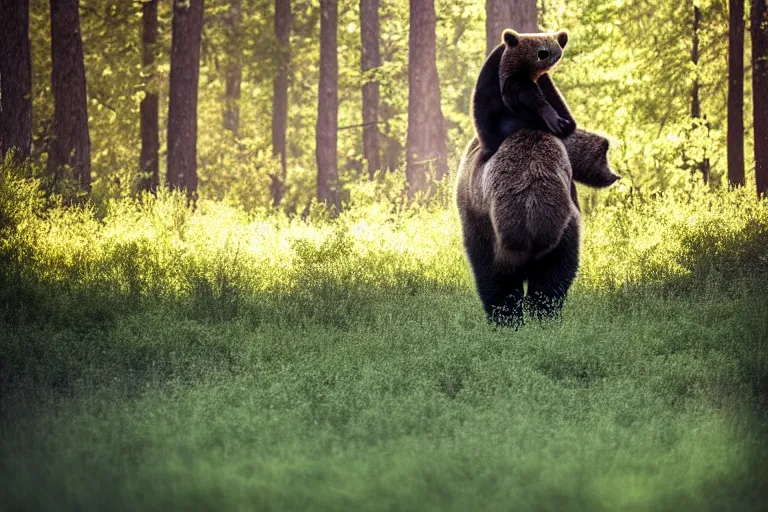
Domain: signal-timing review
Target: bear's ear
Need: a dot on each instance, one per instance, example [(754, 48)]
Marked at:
[(562, 38), (605, 146), (510, 37)]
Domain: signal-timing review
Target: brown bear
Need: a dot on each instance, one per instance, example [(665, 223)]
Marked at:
[(520, 217)]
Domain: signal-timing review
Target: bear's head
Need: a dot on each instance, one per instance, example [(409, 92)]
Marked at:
[(530, 54), (588, 153)]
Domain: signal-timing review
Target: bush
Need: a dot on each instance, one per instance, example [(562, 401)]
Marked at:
[(701, 238)]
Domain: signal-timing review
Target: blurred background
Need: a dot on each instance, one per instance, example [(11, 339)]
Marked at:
[(274, 103)]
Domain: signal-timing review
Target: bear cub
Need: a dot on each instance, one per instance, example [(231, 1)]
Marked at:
[(514, 91)]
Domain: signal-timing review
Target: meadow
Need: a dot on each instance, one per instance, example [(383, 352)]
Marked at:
[(155, 357)]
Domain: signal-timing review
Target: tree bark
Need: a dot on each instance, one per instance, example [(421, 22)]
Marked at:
[(425, 143), (328, 104), (182, 108), (370, 59), (736, 93), (759, 32), (520, 15), (695, 101), (703, 166), (150, 137), (280, 97), (15, 78), (234, 69), (71, 144)]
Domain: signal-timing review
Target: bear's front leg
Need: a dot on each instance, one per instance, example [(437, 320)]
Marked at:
[(525, 96), (556, 100)]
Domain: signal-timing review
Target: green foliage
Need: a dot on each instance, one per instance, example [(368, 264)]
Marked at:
[(221, 358), (162, 249), (156, 356), (20, 201), (416, 406), (691, 235), (627, 73)]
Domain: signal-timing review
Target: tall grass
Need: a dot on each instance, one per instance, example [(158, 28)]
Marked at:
[(153, 356), (160, 248)]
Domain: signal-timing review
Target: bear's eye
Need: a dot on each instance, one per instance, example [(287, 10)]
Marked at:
[(543, 54)]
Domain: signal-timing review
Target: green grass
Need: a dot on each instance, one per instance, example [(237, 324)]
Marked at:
[(152, 358)]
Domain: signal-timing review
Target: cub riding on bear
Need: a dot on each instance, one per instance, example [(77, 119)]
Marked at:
[(516, 194), (514, 90)]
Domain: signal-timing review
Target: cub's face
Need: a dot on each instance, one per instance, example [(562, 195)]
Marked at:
[(531, 54)]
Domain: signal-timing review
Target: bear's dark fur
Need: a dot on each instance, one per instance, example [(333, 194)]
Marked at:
[(514, 91), (520, 217)]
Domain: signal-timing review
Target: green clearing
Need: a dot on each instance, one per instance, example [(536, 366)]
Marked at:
[(152, 358)]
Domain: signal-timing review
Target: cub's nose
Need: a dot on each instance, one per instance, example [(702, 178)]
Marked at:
[(543, 54)]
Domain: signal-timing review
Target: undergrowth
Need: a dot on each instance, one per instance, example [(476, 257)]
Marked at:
[(220, 255), (155, 356)]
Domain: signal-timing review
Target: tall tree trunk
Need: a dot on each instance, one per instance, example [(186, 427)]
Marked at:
[(520, 15), (425, 144), (234, 69), (182, 107), (328, 105), (71, 144), (370, 59), (392, 145), (280, 98), (736, 93), (759, 31), (15, 78), (695, 101), (150, 137), (703, 166)]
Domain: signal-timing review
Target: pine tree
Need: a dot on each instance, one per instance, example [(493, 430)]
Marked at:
[(280, 98), (370, 60), (736, 93), (327, 107), (759, 30), (182, 107), (150, 137), (425, 144), (233, 73), (71, 144), (15, 78), (520, 15)]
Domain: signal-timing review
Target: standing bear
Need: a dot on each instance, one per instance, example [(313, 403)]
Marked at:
[(516, 197), (520, 218)]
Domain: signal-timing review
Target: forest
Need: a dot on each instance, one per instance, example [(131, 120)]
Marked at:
[(274, 104), (232, 273)]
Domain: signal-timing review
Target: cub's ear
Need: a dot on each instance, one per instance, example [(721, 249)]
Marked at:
[(510, 37), (562, 38), (605, 146)]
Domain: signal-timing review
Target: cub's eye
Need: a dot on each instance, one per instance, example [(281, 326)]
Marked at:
[(543, 54)]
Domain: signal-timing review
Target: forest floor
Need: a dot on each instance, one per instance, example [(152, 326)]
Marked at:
[(368, 397), (414, 403)]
